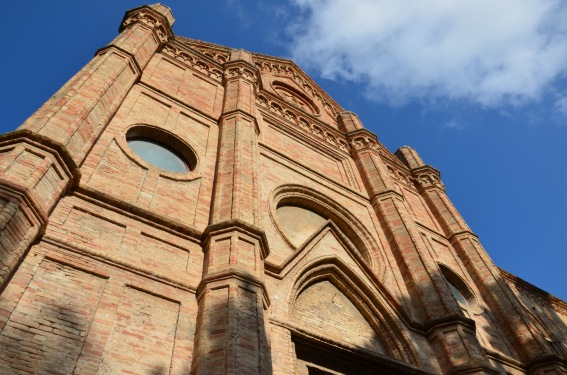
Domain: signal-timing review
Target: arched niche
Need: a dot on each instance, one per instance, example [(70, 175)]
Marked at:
[(321, 210), (325, 309), (327, 293)]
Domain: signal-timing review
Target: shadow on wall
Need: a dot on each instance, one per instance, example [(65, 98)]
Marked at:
[(543, 319), (47, 341), (231, 334), (338, 333)]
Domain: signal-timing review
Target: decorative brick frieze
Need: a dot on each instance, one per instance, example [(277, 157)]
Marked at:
[(216, 52), (191, 59), (240, 71), (265, 64), (361, 142), (270, 105)]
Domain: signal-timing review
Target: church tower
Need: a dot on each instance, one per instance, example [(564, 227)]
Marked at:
[(180, 207)]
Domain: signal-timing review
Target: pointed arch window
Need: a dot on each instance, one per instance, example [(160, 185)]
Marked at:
[(457, 294), (459, 289)]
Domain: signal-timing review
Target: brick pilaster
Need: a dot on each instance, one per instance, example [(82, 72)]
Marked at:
[(528, 342), (429, 293), (40, 160), (231, 336)]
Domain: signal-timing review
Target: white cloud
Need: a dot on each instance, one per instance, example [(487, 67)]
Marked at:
[(453, 125), (561, 106), (490, 52)]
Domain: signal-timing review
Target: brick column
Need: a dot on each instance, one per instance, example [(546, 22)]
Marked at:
[(436, 312), (231, 335), (528, 341), (41, 159)]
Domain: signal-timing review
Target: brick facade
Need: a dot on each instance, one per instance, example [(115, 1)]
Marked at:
[(295, 242)]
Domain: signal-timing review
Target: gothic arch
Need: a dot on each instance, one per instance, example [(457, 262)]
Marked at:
[(354, 231), (462, 286), (373, 307)]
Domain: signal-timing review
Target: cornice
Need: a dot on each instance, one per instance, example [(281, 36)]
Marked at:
[(400, 175), (241, 226), (363, 139), (56, 149), (216, 52), (234, 273), (240, 69), (428, 177), (127, 55), (28, 202), (134, 212)]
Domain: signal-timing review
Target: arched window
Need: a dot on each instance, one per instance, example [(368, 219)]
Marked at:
[(457, 294), (463, 295)]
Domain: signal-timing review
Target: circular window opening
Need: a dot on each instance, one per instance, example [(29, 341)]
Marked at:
[(161, 149)]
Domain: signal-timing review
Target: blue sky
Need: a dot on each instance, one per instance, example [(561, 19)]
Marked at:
[(478, 88)]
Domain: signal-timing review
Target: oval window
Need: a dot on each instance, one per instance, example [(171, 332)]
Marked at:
[(158, 155), (161, 149)]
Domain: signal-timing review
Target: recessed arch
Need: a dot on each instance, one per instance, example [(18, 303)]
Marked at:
[(297, 224), (355, 232), (387, 327), (293, 95)]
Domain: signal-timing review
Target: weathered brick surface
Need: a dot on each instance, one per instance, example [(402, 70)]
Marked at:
[(73, 314), (296, 244)]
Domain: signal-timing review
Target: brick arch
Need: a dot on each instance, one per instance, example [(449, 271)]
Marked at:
[(345, 221), (372, 304)]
